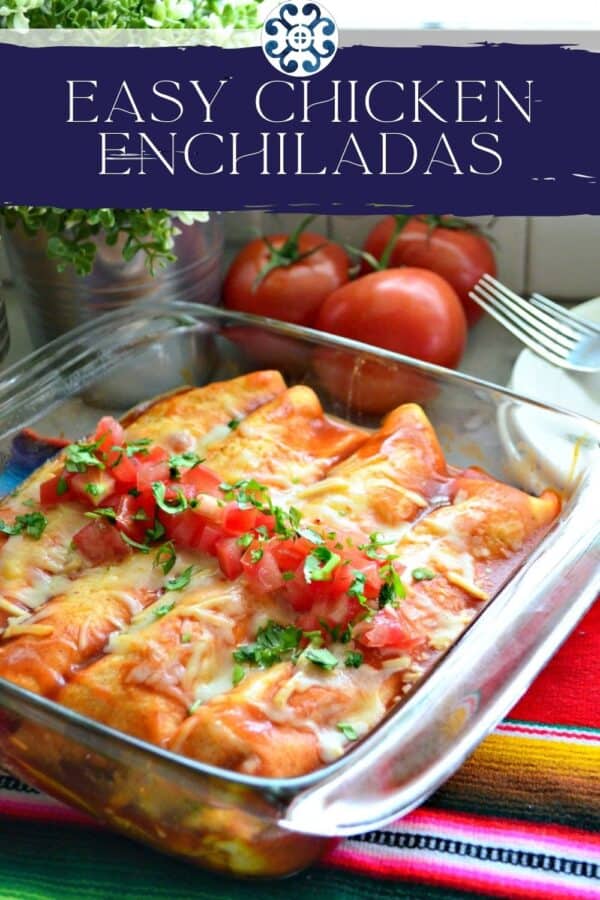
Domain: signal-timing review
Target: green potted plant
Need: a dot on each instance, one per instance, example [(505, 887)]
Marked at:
[(71, 264)]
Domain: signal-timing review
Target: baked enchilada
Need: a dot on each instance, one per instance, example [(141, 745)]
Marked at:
[(238, 578)]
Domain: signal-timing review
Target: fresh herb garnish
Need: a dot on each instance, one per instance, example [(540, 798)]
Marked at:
[(182, 581), (274, 642), (373, 548), (181, 461), (186, 638), (102, 512), (156, 532), (80, 457), (31, 524), (354, 659), (143, 548), (288, 576), (320, 564), (348, 730), (166, 557), (322, 657), (62, 486), (238, 674), (392, 589), (245, 540), (256, 555), (233, 424), (422, 574), (140, 446), (163, 609), (92, 489), (169, 506), (310, 534)]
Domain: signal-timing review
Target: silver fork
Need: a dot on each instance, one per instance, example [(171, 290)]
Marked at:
[(563, 343), (583, 325)]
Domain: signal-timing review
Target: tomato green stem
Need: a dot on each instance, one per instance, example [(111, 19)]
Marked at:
[(288, 253)]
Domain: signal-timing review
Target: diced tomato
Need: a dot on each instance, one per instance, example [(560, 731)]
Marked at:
[(93, 486), (265, 520), (239, 521), (202, 480), (185, 529), (55, 490), (291, 553), (390, 628), (229, 554), (150, 471), (264, 573), (109, 434), (124, 471), (208, 539), (100, 542), (135, 514)]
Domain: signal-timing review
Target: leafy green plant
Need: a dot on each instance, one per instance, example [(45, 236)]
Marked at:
[(151, 231), (69, 232), (24, 14)]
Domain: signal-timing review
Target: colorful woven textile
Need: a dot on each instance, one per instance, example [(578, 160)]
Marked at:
[(521, 819)]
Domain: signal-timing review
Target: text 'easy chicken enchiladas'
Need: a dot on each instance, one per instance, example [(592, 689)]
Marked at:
[(237, 578)]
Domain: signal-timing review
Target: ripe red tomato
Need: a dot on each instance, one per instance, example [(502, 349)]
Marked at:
[(410, 311), (460, 255), (292, 291)]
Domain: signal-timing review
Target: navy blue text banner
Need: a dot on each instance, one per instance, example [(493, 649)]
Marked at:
[(503, 129)]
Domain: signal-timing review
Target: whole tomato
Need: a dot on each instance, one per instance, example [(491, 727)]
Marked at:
[(445, 245), (285, 276), (410, 311)]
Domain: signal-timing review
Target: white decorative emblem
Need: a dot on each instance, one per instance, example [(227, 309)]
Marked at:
[(299, 39)]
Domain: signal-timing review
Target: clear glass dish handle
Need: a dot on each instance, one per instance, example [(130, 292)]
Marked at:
[(445, 720)]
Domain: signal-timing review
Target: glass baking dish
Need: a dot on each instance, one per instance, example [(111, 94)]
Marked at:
[(245, 825)]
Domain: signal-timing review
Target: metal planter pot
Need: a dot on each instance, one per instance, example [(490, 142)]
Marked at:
[(55, 302)]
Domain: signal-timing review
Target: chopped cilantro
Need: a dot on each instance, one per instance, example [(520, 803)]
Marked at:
[(310, 534), (163, 609), (182, 581), (373, 548), (322, 657), (238, 674), (102, 512), (233, 424), (166, 557), (256, 555), (144, 548), (156, 532), (274, 642), (62, 486), (348, 730), (181, 461), (245, 540), (288, 576), (140, 516), (169, 506), (80, 457), (320, 564), (139, 446), (92, 489), (31, 524), (422, 574), (354, 659), (134, 492)]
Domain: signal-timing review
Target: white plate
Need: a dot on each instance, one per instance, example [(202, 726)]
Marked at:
[(536, 378), (535, 436)]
